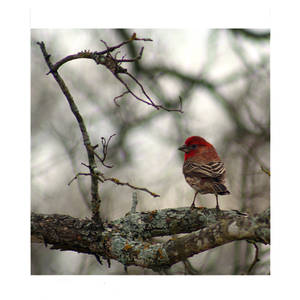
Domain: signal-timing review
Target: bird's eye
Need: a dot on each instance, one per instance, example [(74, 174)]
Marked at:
[(193, 146)]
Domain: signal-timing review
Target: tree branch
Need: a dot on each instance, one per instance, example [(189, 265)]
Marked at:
[(101, 177), (256, 259), (113, 64), (254, 35), (95, 203), (127, 239)]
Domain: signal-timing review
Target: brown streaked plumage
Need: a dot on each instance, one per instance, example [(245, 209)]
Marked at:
[(203, 169)]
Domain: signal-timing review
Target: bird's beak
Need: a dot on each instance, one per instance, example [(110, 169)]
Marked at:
[(184, 148)]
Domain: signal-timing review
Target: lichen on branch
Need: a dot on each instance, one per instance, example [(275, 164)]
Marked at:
[(127, 239)]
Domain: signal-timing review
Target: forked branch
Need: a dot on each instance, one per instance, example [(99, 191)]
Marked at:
[(127, 241), (113, 64), (95, 203), (101, 177)]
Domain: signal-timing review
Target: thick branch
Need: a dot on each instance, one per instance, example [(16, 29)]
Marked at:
[(124, 239)]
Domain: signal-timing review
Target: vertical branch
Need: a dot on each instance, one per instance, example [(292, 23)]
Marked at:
[(134, 203), (256, 259), (95, 203)]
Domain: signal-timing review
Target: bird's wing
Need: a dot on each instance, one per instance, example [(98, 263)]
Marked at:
[(211, 169)]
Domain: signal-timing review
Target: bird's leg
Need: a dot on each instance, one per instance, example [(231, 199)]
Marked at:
[(193, 204), (217, 207)]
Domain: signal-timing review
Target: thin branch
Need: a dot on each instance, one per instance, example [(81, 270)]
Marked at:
[(101, 159), (82, 54), (105, 146), (118, 182), (134, 203), (91, 55), (132, 93), (120, 96), (77, 175), (115, 68), (95, 203), (142, 88), (256, 259), (150, 101), (132, 59), (98, 259), (189, 269), (114, 65), (173, 109), (133, 38), (265, 170), (104, 150), (254, 35), (99, 176)]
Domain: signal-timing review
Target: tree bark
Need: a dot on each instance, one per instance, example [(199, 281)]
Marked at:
[(128, 239)]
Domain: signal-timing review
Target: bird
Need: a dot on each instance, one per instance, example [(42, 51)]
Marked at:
[(203, 169)]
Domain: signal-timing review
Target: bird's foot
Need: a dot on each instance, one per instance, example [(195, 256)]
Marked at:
[(196, 207), (218, 210)]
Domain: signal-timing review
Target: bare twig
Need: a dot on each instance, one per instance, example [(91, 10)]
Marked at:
[(114, 65), (77, 175), (133, 38), (118, 182), (256, 259), (174, 109), (95, 203), (120, 96), (82, 54), (132, 59), (108, 262), (105, 146), (99, 176), (134, 202), (149, 101), (189, 269), (142, 88), (91, 55), (101, 159), (98, 259), (116, 69), (265, 170), (133, 94), (104, 150)]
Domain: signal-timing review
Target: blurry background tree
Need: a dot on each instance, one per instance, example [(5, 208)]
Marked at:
[(222, 77)]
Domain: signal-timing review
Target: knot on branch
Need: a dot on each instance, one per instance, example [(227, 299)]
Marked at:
[(109, 62)]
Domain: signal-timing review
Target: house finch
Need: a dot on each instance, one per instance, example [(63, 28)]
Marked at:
[(203, 169)]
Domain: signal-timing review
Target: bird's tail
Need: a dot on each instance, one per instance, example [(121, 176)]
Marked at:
[(220, 189)]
